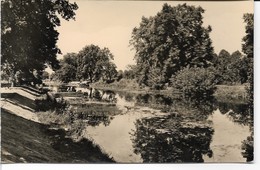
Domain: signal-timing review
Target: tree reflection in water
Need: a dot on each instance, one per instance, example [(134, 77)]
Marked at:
[(242, 114), (180, 142), (175, 138), (248, 144), (183, 136), (237, 112), (158, 101), (94, 113), (248, 148)]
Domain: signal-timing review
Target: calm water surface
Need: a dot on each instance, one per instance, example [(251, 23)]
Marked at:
[(227, 138), (156, 128), (115, 139)]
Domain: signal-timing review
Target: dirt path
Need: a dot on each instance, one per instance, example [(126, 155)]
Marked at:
[(30, 95), (19, 111)]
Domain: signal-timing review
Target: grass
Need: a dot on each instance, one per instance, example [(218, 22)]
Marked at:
[(235, 93), (75, 118), (131, 86), (27, 141), (69, 94), (73, 127), (58, 139), (19, 99), (123, 84), (223, 92)]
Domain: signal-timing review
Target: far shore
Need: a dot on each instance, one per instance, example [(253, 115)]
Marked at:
[(232, 93)]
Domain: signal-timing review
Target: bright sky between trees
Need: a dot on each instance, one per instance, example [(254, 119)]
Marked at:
[(110, 24)]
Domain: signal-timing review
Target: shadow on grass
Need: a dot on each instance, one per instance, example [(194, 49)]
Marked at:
[(30, 142), (19, 99)]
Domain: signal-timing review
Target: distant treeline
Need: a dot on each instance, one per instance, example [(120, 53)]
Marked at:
[(173, 49), (91, 63)]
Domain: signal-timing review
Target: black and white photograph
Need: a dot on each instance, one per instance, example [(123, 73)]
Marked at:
[(127, 82)]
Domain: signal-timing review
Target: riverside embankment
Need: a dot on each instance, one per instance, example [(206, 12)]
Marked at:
[(25, 139)]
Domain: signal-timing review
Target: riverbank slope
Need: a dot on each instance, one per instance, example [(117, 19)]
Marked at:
[(24, 139)]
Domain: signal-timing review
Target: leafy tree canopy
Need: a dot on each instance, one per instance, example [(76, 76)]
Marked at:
[(68, 68), (170, 41), (248, 40), (93, 63), (248, 49), (229, 67), (29, 35)]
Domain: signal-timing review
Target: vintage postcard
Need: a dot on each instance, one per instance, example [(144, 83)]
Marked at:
[(127, 81)]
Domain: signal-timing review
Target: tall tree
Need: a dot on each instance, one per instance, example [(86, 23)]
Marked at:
[(29, 34), (130, 72), (109, 72), (169, 41), (228, 67), (248, 49), (92, 62), (236, 67), (68, 68)]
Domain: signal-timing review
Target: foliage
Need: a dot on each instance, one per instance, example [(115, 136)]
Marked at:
[(248, 49), (109, 71), (45, 75), (172, 139), (229, 67), (68, 68), (228, 93), (130, 72), (91, 63), (94, 63), (244, 67), (120, 75), (155, 79), (29, 35), (123, 84), (248, 45), (195, 82), (49, 103), (248, 148), (169, 41), (96, 95)]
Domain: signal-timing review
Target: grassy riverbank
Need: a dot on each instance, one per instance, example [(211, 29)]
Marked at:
[(26, 140), (223, 92), (234, 93), (130, 86)]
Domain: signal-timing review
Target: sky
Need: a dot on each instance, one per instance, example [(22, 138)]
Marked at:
[(110, 24)]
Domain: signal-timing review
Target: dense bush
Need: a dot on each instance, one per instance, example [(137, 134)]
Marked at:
[(231, 69), (48, 102), (248, 148), (96, 95), (195, 82)]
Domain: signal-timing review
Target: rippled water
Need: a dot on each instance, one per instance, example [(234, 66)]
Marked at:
[(156, 128)]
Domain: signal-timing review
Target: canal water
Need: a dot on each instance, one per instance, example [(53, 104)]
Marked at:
[(157, 128)]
